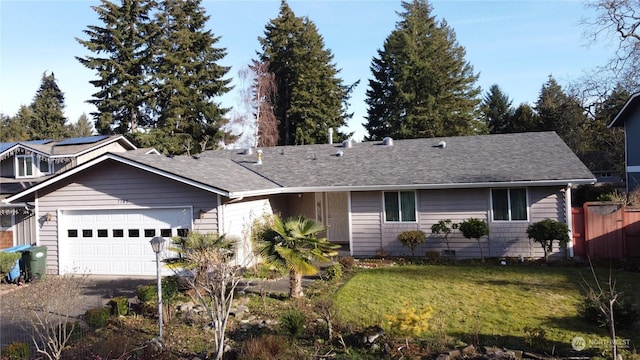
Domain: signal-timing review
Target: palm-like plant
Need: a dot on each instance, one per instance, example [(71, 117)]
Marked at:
[(293, 245)]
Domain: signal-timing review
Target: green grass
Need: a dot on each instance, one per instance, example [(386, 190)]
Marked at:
[(489, 304)]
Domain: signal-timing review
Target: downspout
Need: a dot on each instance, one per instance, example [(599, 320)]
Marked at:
[(569, 220)]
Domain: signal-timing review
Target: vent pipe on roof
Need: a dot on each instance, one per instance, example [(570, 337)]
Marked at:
[(339, 153), (388, 141), (330, 135), (248, 151), (347, 144), (259, 151), (441, 145)]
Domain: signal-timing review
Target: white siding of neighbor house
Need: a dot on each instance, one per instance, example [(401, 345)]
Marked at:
[(506, 239), (119, 186)]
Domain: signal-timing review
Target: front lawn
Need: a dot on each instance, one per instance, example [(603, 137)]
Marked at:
[(530, 307)]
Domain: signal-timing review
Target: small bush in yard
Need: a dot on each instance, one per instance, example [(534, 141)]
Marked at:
[(409, 321), (334, 271), (625, 315), (119, 306), (8, 261), (411, 239), (347, 262), (263, 348), (293, 322), (97, 318), (16, 351)]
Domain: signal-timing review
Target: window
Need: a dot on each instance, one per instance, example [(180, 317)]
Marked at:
[(26, 166), (6, 221), (400, 206), (509, 204)]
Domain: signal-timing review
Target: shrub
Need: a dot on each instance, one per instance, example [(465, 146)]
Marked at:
[(334, 271), (546, 231), (475, 229), (8, 261), (292, 322), (98, 317), (432, 256), (411, 239), (410, 321), (16, 351), (263, 348), (147, 293), (347, 262), (625, 315), (119, 306)]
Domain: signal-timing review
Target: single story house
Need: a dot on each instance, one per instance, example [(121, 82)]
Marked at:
[(99, 216), (629, 118)]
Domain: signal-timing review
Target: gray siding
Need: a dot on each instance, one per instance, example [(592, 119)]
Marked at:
[(119, 186), (371, 233), (632, 134), (366, 221)]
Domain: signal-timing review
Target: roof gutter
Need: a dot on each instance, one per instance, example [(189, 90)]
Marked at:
[(509, 184)]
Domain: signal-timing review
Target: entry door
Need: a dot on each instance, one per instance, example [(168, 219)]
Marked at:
[(338, 217)]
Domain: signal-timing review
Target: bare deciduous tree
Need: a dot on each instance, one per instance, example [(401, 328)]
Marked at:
[(49, 305), (256, 117), (214, 275), (618, 19)]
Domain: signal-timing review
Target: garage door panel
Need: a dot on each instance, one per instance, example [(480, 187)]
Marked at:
[(116, 242)]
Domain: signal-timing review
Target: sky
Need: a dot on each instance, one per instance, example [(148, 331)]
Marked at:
[(516, 44)]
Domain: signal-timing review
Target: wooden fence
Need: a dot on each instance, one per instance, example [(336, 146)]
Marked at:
[(606, 230)]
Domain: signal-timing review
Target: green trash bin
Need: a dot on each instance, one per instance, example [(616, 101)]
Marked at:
[(35, 260)]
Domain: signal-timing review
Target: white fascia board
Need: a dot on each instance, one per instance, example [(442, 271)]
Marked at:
[(19, 145), (633, 169), (110, 156), (623, 110)]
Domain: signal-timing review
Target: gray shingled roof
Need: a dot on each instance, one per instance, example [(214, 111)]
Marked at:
[(465, 161), (219, 173)]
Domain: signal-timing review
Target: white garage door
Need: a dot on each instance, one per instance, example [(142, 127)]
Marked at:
[(116, 242)]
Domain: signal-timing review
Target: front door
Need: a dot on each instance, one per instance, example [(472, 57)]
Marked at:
[(338, 218)]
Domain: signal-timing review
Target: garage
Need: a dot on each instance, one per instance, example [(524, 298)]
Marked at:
[(116, 241)]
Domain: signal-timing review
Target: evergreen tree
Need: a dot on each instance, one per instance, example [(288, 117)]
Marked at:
[(607, 144), (563, 114), (82, 127), (123, 49), (524, 119), (11, 129), (46, 118), (496, 110), (422, 86), (310, 96), (186, 78)]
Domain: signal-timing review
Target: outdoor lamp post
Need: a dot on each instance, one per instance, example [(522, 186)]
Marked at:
[(157, 243)]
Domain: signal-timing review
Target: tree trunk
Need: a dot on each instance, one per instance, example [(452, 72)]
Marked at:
[(295, 284)]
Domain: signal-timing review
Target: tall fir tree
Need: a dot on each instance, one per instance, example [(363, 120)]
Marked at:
[(422, 86), (46, 118), (123, 49), (496, 110), (310, 95), (186, 79), (562, 113)]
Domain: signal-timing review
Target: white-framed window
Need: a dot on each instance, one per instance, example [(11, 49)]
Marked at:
[(509, 204), (6, 221), (400, 206), (30, 166)]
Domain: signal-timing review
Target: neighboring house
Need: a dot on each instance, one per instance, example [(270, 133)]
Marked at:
[(629, 119), (26, 163), (100, 215)]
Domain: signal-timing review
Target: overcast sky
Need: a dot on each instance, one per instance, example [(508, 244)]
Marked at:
[(515, 44)]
